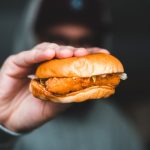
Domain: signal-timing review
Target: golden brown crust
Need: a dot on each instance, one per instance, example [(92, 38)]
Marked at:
[(90, 93), (73, 84), (85, 66)]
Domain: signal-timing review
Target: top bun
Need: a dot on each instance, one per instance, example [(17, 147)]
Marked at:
[(84, 66)]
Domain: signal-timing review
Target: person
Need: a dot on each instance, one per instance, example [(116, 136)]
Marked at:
[(27, 123)]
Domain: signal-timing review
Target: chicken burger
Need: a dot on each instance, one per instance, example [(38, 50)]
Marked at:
[(77, 79)]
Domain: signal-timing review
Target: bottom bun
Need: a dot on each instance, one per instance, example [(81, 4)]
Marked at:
[(94, 92)]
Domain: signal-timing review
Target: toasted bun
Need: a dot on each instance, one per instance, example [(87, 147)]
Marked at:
[(94, 92), (85, 66)]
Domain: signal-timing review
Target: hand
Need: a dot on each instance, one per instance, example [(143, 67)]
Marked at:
[(19, 110)]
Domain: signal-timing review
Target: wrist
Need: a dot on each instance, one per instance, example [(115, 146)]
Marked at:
[(4, 111)]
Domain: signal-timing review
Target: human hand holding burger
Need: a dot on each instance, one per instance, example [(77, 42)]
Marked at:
[(19, 110)]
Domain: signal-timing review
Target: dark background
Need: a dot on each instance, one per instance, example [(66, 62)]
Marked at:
[(131, 43)]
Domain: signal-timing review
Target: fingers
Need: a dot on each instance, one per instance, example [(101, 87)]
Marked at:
[(81, 52), (65, 52), (47, 51), (98, 50), (28, 58), (41, 52), (60, 51), (85, 51)]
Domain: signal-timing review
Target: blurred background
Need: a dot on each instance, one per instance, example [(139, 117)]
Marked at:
[(131, 43)]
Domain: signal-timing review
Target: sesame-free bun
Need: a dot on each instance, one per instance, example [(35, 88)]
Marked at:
[(85, 66), (95, 92)]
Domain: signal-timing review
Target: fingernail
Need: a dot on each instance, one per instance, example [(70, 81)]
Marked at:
[(50, 53), (106, 51), (70, 47), (65, 53), (53, 46), (81, 52)]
